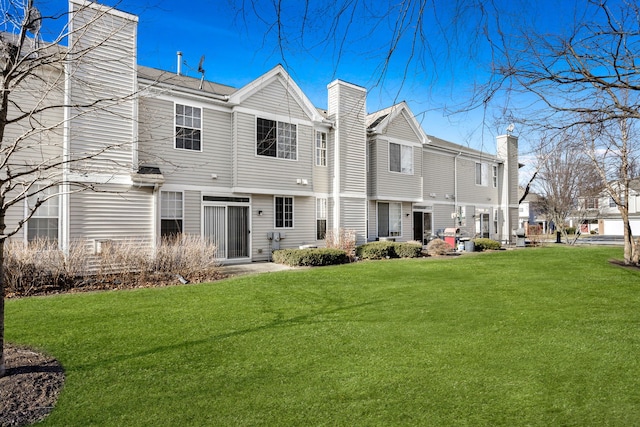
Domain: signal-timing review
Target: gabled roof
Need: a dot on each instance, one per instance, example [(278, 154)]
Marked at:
[(377, 122), (278, 73)]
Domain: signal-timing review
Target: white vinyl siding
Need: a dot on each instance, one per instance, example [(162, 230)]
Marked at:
[(347, 103), (277, 99), (353, 216), (104, 80), (264, 174), (157, 146), (400, 128), (116, 212), (437, 170)]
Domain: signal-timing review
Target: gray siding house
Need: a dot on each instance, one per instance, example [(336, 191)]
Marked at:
[(254, 168)]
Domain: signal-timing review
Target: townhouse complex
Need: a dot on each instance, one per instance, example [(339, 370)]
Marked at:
[(252, 168)]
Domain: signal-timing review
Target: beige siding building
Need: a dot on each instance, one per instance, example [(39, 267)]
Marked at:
[(259, 167)]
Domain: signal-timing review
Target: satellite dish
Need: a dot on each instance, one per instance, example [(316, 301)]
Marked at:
[(33, 21), (201, 70), (510, 128)]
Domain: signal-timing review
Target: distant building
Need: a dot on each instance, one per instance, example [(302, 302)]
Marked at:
[(602, 215), (531, 213)]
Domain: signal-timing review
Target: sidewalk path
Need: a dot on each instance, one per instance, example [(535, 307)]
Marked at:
[(252, 268)]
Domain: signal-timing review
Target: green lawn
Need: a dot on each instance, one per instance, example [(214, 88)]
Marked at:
[(542, 336)]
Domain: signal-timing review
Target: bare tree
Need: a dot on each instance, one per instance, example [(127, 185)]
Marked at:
[(583, 80), (613, 149), (565, 175), (38, 164)]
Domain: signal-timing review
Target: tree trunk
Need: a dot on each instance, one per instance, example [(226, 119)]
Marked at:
[(2, 364), (628, 237)]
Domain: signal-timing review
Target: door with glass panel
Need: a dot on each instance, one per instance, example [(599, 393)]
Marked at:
[(482, 224), (422, 229), (227, 227)]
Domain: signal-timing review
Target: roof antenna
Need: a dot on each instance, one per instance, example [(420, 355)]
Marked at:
[(201, 70), (510, 128)]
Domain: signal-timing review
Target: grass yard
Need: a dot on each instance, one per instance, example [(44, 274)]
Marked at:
[(540, 337)]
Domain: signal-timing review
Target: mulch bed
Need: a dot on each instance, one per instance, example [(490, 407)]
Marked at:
[(30, 388)]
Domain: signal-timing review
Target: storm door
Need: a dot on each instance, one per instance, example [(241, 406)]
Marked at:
[(482, 225)]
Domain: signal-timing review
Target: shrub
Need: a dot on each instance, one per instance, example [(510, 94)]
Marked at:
[(383, 250), (570, 230), (191, 256), (41, 267), (409, 249), (344, 240), (310, 257), (483, 244), (376, 250), (438, 247)]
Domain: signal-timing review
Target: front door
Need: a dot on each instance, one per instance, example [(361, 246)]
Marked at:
[(228, 228), (418, 227), (482, 225), (422, 229)]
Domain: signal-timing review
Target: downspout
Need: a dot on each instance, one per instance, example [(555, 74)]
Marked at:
[(66, 148), (455, 187)]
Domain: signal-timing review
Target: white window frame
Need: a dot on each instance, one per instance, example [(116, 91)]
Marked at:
[(48, 210), (321, 148), (173, 209), (287, 220), (190, 122), (495, 176), (405, 161), (592, 203), (394, 224), (286, 140), (482, 174), (321, 215)]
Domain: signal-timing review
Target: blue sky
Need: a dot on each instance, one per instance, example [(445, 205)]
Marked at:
[(239, 46)]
